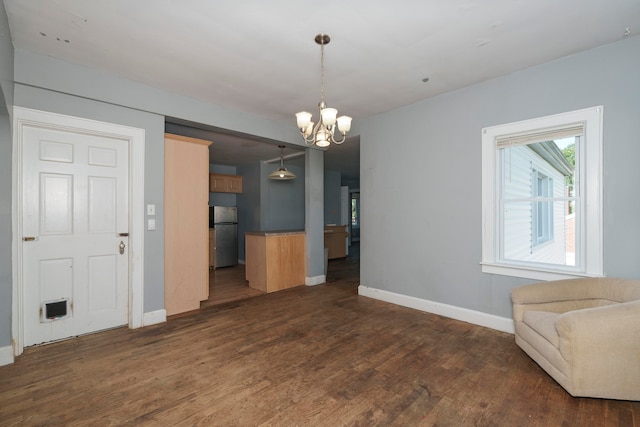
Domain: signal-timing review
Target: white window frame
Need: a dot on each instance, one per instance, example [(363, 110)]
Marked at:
[(589, 231)]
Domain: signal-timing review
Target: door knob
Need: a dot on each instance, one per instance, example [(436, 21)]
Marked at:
[(122, 246)]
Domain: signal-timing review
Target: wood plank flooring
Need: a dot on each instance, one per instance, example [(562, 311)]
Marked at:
[(228, 284), (306, 356)]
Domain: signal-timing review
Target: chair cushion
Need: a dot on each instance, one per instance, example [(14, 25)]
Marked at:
[(543, 322)]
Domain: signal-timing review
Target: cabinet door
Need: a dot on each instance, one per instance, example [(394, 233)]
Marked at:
[(217, 183), (223, 183), (234, 184)]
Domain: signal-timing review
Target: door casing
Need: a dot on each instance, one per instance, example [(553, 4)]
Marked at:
[(136, 140)]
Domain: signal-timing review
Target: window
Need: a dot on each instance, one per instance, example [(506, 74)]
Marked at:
[(355, 216), (542, 197)]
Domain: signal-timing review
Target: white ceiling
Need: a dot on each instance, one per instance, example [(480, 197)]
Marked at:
[(260, 56)]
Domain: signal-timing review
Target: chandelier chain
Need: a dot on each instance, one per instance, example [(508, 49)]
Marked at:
[(322, 72)]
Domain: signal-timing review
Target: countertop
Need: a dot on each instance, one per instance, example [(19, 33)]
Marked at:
[(274, 233)]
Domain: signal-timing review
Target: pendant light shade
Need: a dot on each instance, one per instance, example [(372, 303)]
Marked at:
[(281, 173)]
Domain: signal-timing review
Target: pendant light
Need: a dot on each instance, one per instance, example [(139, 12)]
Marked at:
[(281, 173)]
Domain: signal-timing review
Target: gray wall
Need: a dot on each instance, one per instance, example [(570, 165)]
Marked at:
[(283, 201), (6, 64), (332, 196), (6, 104), (421, 195), (5, 232), (153, 124), (47, 72), (249, 204), (266, 204)]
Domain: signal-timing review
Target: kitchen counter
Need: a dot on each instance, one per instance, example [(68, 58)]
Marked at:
[(274, 233), (275, 260)]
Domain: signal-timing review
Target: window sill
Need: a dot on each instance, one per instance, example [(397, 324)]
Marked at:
[(527, 272)]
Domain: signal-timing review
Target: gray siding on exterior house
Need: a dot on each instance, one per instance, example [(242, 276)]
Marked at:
[(519, 166)]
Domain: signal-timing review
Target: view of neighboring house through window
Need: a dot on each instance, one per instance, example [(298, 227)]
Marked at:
[(542, 196), (534, 200)]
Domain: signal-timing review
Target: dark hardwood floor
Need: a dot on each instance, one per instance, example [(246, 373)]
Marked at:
[(228, 284), (306, 356)]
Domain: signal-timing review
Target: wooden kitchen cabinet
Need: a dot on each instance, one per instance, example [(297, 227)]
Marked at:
[(223, 183), (335, 239), (186, 223), (275, 260)]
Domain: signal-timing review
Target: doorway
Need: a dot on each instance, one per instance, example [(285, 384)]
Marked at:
[(355, 216), (228, 284), (78, 229)]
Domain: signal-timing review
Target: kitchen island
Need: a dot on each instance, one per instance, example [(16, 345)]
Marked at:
[(275, 260)]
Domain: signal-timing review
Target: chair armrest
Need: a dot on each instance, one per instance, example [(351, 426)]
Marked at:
[(604, 340)]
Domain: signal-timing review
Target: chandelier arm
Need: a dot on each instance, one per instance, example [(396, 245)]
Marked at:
[(311, 139), (335, 141)]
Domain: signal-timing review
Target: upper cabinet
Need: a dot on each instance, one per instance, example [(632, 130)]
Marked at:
[(222, 183)]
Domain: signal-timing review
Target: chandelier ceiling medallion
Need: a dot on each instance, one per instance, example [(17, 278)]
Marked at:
[(281, 173), (322, 134)]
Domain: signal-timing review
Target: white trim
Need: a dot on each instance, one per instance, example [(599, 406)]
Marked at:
[(316, 280), (6, 355), (590, 174), (532, 273), (136, 141), (155, 317), (458, 313)]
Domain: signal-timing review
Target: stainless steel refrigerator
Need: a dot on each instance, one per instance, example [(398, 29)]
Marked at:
[(225, 222)]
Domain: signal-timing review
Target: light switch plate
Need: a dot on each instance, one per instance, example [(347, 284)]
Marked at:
[(151, 224), (151, 209)]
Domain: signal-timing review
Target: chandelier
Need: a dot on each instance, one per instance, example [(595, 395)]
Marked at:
[(322, 134)]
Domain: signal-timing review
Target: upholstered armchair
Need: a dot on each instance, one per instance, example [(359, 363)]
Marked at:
[(585, 333)]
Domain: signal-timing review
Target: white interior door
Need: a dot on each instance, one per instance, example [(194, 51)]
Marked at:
[(75, 228)]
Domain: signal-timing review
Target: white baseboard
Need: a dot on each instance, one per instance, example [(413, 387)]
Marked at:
[(316, 280), (470, 316), (153, 317), (6, 355)]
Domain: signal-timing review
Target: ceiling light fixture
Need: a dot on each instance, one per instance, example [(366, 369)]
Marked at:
[(281, 173), (322, 134)]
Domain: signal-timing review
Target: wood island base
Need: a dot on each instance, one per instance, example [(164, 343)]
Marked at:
[(275, 260)]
